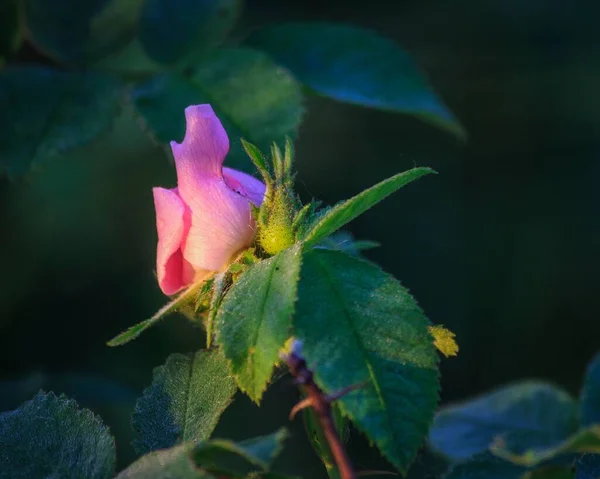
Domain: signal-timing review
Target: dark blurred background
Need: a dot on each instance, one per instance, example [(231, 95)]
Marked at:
[(502, 247)]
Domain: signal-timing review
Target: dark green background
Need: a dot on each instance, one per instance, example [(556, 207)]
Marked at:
[(503, 247)]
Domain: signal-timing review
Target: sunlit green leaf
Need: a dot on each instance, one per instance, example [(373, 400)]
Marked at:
[(52, 437), (347, 210), (590, 396), (46, 113), (180, 30), (522, 416), (184, 402), (252, 97), (255, 319), (360, 327), (357, 66)]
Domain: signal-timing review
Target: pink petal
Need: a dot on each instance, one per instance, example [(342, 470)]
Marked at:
[(221, 225), (173, 272), (218, 200), (245, 185), (204, 147)]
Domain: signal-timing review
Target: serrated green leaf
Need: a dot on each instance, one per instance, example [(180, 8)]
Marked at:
[(51, 436), (80, 32), (358, 325), (253, 98), (526, 415), (184, 402), (255, 319), (46, 113), (174, 463), (586, 441), (345, 211), (221, 456), (485, 466), (177, 31), (11, 35), (356, 66), (185, 298), (590, 396)]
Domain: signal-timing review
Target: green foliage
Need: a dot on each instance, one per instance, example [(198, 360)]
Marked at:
[(11, 34), (218, 458), (51, 436), (264, 107), (255, 319), (550, 472), (485, 466), (523, 416), (359, 326), (45, 113), (344, 212), (357, 66), (184, 402), (76, 32), (590, 396), (181, 30)]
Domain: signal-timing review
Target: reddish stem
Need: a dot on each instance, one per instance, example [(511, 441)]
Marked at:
[(322, 406)]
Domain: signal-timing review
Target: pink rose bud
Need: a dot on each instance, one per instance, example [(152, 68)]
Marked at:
[(207, 219)]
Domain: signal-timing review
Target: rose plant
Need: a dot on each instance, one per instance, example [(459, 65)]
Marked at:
[(272, 286)]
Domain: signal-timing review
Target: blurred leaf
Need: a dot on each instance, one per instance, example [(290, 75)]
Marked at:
[(485, 466), (184, 402), (131, 61), (550, 472), (179, 30), (11, 34), (588, 466), (221, 456), (255, 319), (345, 211), (527, 415), (51, 436), (113, 28), (357, 66), (46, 113), (252, 97), (584, 441), (590, 396), (174, 463), (358, 325), (80, 32)]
